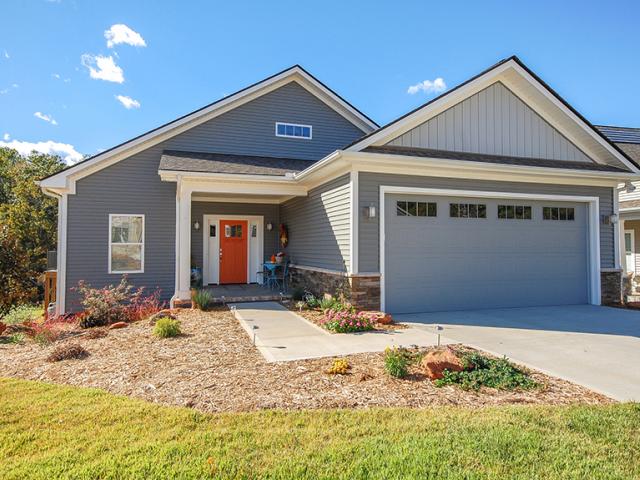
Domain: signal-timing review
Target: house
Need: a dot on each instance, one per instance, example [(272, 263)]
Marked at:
[(628, 140), (495, 194)]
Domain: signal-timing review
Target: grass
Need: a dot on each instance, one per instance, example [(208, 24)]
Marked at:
[(49, 431), (23, 313)]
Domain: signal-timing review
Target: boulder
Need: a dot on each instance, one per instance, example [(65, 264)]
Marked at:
[(437, 361), (113, 326)]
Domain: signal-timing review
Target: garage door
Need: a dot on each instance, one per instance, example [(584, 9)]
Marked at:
[(450, 253)]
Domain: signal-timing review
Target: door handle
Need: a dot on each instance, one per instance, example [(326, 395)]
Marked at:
[(220, 255)]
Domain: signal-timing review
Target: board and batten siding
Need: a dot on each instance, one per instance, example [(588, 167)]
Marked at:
[(133, 186), (269, 212), (493, 121), (250, 128), (369, 194), (319, 226)]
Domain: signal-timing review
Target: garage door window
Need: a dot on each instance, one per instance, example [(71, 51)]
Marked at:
[(416, 209), (516, 212), (558, 213), (467, 210)]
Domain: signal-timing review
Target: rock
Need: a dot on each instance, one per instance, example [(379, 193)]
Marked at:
[(113, 326), (161, 314), (382, 318), (3, 327), (436, 361)]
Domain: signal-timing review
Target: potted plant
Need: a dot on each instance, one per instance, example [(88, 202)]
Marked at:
[(280, 257)]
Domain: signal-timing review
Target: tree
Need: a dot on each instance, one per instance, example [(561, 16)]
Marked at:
[(27, 224)]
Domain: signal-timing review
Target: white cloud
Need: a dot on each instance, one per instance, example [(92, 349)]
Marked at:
[(428, 86), (128, 102), (102, 68), (3, 91), (120, 33), (56, 75), (5, 54), (45, 117), (66, 151), (6, 137)]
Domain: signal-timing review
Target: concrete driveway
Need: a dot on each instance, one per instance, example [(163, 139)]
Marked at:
[(598, 347)]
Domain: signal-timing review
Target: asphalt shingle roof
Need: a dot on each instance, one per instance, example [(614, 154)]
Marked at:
[(478, 157), (620, 134), (225, 163)]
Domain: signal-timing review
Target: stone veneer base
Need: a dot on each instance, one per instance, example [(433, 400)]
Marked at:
[(611, 287), (363, 291)]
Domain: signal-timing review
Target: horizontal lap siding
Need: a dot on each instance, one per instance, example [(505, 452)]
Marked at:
[(199, 209), (250, 129), (493, 121), (369, 194), (131, 186), (319, 226)]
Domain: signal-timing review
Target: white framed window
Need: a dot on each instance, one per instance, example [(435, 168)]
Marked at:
[(294, 130), (126, 243)]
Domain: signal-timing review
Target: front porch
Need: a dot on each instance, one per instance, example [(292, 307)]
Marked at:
[(239, 293)]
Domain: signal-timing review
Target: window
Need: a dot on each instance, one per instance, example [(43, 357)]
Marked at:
[(233, 231), (126, 243), (518, 212), (467, 210), (416, 209), (558, 213), (293, 130)]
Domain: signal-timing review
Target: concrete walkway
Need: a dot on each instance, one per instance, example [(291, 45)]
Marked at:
[(598, 347), (282, 335)]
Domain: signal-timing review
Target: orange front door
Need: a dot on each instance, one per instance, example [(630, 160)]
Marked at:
[(233, 251)]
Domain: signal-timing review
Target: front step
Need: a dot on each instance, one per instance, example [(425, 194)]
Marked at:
[(251, 298), (634, 298)]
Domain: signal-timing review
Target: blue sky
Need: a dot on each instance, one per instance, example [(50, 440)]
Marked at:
[(369, 52)]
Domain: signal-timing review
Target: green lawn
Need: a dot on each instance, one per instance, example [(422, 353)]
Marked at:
[(51, 431)]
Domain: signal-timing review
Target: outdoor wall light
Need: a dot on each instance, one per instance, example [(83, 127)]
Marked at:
[(269, 226), (630, 187), (369, 212), (196, 225), (613, 219)]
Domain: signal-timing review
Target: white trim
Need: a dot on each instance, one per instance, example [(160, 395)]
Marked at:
[(142, 244), (354, 223), (66, 178), (61, 280), (310, 127), (223, 199), (508, 73), (593, 204), (617, 255), (633, 250), (252, 269)]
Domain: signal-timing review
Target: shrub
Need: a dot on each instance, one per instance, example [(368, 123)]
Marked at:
[(121, 303), (42, 333), (397, 361), (167, 327), (346, 321), (14, 338), (311, 300), (339, 367), (203, 299), (23, 313), (67, 352), (482, 371)]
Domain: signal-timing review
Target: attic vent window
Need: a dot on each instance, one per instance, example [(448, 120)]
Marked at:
[(293, 130)]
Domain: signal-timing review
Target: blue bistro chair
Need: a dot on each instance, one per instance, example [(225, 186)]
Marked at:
[(269, 275), (280, 276)]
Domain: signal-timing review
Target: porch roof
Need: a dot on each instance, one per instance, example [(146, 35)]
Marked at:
[(173, 160)]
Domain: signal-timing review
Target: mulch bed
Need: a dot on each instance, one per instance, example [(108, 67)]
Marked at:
[(214, 367), (316, 317)]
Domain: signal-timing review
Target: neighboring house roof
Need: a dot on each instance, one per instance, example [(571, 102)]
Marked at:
[(620, 134), (519, 78), (224, 163), (181, 124), (478, 157)]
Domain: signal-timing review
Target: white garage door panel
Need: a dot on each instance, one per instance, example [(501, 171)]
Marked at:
[(443, 263)]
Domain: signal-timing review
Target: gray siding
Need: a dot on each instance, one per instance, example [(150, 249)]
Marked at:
[(493, 121), (131, 186), (319, 226), (270, 213), (250, 128), (369, 193)]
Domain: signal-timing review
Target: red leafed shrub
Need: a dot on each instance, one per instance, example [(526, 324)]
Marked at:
[(42, 333), (112, 304)]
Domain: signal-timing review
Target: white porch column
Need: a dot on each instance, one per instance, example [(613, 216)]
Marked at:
[(622, 248), (183, 242)]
